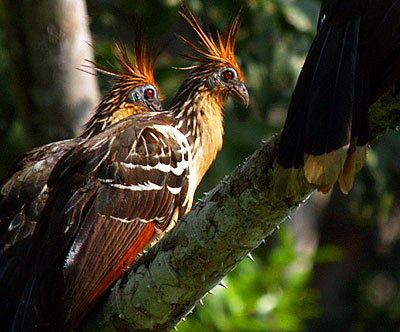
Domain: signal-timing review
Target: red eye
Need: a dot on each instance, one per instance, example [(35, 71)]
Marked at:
[(149, 93), (229, 74)]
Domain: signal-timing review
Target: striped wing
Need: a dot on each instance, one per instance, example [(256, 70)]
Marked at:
[(117, 190)]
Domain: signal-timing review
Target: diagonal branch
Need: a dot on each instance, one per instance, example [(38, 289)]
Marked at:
[(166, 283)]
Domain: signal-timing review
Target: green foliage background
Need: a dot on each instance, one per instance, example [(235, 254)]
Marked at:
[(347, 276)]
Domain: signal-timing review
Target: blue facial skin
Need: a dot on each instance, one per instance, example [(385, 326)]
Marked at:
[(146, 94)]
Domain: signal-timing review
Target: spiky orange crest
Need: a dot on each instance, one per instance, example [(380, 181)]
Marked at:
[(131, 74), (211, 52)]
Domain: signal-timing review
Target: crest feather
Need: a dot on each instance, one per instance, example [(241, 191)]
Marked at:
[(209, 51), (134, 74)]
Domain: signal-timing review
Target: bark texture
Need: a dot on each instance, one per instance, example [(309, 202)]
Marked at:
[(165, 284), (47, 42)]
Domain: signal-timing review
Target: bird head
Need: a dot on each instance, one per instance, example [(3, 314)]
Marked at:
[(215, 61), (145, 96), (226, 81), (133, 89), (134, 85)]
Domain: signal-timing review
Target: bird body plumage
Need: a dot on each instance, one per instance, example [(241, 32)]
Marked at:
[(24, 190), (115, 192), (107, 196)]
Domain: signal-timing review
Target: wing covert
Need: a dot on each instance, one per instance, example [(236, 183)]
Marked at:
[(106, 206)]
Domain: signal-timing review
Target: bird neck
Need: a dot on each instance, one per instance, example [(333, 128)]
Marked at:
[(110, 111), (199, 116)]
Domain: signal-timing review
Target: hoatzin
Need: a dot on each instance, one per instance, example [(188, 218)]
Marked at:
[(24, 190), (353, 60), (116, 192)]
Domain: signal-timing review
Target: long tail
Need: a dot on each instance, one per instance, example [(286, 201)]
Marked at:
[(321, 130), (353, 60), (320, 141)]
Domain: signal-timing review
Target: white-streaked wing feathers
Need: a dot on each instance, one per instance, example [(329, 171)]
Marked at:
[(134, 178)]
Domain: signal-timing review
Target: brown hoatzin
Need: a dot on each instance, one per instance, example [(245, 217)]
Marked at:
[(113, 194), (353, 60), (24, 190)]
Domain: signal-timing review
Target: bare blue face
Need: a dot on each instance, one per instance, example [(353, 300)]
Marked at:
[(146, 94), (228, 79)]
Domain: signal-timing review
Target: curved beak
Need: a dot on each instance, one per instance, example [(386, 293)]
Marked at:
[(240, 93), (155, 105)]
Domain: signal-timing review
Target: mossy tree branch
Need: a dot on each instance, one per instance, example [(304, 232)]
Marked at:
[(231, 220)]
